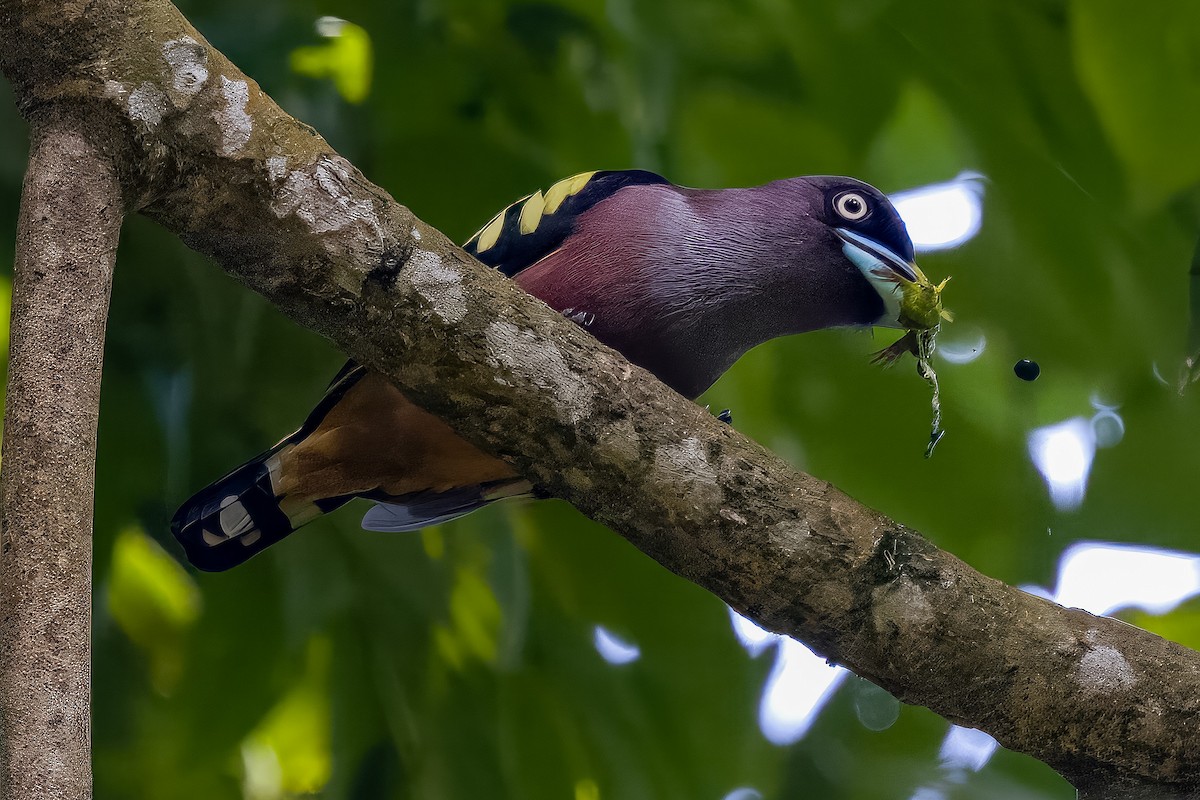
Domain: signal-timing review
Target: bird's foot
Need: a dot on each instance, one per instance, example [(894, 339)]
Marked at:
[(726, 416), (584, 318)]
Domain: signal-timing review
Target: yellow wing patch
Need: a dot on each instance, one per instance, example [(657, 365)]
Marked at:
[(533, 209), (564, 189), (486, 238), (531, 212)]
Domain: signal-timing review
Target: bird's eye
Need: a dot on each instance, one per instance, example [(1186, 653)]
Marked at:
[(850, 205)]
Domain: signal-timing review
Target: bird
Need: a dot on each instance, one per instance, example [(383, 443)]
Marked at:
[(681, 281)]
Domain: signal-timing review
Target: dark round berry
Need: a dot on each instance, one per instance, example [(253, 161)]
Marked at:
[(1027, 370)]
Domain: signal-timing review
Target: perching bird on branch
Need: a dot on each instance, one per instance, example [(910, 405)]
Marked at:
[(681, 281)]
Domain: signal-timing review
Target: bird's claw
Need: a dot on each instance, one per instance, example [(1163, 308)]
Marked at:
[(584, 318), (726, 416)]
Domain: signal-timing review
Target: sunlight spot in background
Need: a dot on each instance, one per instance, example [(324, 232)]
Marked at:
[(966, 749), (1103, 578), (1099, 577), (1063, 454), (798, 687), (752, 637), (962, 346), (1107, 426), (743, 793), (942, 215), (613, 649), (875, 706), (1096, 576), (928, 793)]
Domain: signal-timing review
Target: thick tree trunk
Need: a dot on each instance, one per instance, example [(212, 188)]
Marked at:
[(220, 164), (71, 213)]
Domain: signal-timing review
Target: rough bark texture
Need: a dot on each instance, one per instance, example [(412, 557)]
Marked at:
[(71, 214), (1113, 708)]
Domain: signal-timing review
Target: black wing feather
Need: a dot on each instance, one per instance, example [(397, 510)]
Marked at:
[(513, 251)]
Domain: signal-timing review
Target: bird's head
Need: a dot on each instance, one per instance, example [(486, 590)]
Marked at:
[(874, 239)]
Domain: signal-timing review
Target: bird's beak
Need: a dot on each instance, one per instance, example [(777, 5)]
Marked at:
[(868, 254), (913, 302)]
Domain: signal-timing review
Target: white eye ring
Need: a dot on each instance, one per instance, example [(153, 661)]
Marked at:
[(851, 205)]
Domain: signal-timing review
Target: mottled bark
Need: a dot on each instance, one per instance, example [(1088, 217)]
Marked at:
[(217, 162), (71, 213)]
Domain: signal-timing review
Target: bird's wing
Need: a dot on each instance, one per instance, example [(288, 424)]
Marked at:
[(516, 238), (535, 226), (422, 509), (520, 236)]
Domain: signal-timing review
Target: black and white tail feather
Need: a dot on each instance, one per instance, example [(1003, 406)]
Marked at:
[(242, 514), (237, 516)]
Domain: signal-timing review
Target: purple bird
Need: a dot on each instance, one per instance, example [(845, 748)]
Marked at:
[(681, 281)]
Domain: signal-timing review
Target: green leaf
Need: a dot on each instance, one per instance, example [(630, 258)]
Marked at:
[(154, 601), (289, 751), (345, 58), (474, 617)]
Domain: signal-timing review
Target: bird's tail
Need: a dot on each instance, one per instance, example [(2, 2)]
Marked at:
[(242, 514)]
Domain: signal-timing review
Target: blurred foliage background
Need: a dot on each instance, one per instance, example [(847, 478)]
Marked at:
[(459, 663)]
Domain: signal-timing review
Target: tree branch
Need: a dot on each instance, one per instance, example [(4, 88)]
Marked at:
[(71, 213), (217, 162)]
